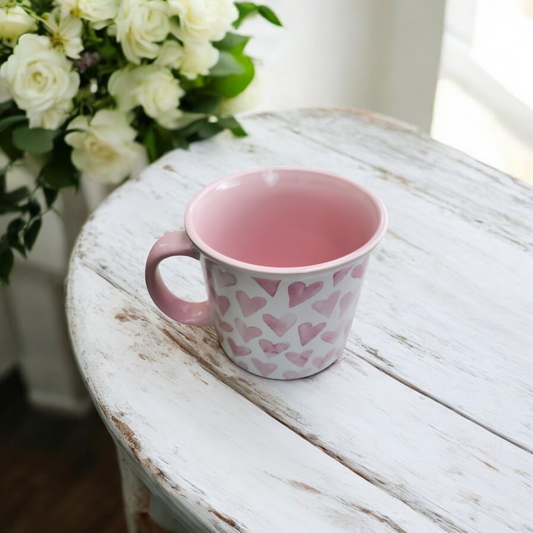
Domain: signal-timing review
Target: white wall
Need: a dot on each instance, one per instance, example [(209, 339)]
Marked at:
[(381, 55)]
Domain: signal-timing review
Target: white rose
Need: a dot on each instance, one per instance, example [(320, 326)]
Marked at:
[(152, 87), (203, 20), (170, 55), (100, 12), (198, 58), (14, 22), (104, 148), (140, 26), (66, 32), (41, 81)]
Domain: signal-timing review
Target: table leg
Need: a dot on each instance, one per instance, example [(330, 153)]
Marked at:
[(145, 513)]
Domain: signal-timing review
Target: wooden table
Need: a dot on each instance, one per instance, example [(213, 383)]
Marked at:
[(425, 424)]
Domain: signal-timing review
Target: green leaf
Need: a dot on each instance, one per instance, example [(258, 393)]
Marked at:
[(50, 195), (6, 261), (19, 246), (34, 140), (230, 123), (34, 208), (4, 106), (14, 197), (269, 15), (227, 65), (15, 226), (9, 121), (232, 42), (200, 101), (30, 235), (209, 129), (231, 86), (60, 171), (245, 10), (6, 142), (158, 141)]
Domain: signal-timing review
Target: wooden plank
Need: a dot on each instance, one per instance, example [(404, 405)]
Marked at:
[(453, 303), (387, 427), (211, 451)]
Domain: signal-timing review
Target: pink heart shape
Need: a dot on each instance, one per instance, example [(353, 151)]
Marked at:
[(292, 374), (249, 306), (222, 302), (247, 333), (299, 359), (347, 329), (224, 279), (299, 292), (272, 349), (308, 332), (208, 269), (325, 307), (330, 336), (340, 275), (269, 285), (346, 301), (224, 326), (282, 325), (238, 351), (359, 270), (265, 369), (320, 362)]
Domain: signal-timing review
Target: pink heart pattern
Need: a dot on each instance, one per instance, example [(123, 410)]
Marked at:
[(238, 351), (269, 285), (325, 307), (359, 270), (308, 332), (346, 301), (248, 305), (247, 333), (224, 279), (222, 302), (292, 374), (264, 356), (331, 336), (280, 326), (271, 350), (299, 359), (299, 292), (340, 275), (347, 330), (224, 326), (321, 362), (265, 369)]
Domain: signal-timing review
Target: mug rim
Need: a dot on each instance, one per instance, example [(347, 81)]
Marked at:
[(211, 253)]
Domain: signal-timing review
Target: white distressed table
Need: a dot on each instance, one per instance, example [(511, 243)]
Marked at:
[(425, 424)]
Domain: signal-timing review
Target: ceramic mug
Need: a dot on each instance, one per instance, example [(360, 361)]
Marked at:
[(284, 251)]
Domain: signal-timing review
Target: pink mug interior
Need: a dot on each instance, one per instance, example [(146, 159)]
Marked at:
[(285, 219)]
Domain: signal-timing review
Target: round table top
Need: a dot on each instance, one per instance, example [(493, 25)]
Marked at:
[(425, 422)]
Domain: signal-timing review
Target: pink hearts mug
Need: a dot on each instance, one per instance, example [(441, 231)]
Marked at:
[(284, 251)]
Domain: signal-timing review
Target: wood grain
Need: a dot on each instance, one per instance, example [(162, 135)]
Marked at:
[(422, 425)]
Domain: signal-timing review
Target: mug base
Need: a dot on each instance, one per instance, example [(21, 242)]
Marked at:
[(270, 370)]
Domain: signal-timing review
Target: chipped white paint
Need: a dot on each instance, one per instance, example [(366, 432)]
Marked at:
[(423, 425)]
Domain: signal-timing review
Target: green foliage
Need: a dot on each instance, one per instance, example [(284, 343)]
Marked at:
[(33, 140), (232, 85), (247, 9), (203, 104)]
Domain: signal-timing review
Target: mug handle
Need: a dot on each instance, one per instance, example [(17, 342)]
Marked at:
[(191, 313)]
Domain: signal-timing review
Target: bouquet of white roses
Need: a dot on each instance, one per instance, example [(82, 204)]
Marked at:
[(98, 88)]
